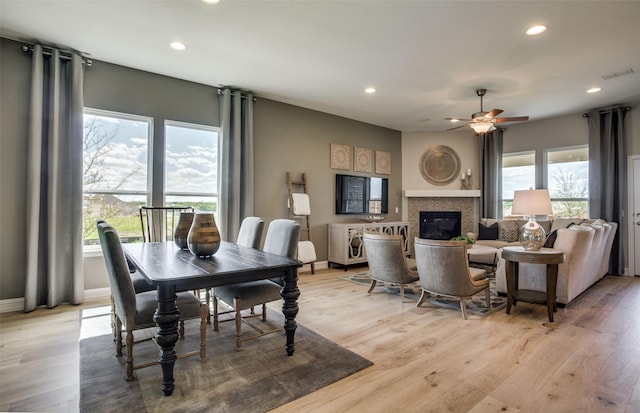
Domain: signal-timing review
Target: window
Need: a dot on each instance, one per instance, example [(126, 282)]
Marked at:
[(191, 166), (116, 156), (567, 178), (518, 172), (118, 165)]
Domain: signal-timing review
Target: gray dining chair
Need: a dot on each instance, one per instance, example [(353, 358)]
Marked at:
[(135, 311), (281, 239), (443, 268), (387, 261)]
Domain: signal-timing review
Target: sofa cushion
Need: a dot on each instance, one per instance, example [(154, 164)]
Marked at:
[(508, 230), (488, 232)]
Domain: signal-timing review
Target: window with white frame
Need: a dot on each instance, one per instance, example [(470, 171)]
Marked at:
[(191, 166), (567, 178), (115, 171), (518, 172)]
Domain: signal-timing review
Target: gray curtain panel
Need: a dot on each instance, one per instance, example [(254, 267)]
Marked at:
[(607, 174), (491, 177), (54, 183), (236, 162)]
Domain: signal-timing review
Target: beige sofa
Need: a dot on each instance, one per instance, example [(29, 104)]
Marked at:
[(587, 248)]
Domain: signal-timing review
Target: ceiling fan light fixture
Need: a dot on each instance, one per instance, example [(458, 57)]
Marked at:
[(482, 127)]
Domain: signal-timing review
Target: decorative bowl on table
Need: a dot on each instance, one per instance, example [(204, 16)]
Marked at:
[(372, 218)]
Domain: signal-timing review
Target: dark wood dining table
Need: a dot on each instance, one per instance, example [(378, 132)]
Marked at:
[(172, 269)]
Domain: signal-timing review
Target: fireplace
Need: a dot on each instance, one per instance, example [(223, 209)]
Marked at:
[(441, 225)]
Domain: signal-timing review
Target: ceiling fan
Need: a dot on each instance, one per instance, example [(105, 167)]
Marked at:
[(483, 122)]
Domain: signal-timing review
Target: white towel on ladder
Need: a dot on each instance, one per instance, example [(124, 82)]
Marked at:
[(301, 205), (306, 252)]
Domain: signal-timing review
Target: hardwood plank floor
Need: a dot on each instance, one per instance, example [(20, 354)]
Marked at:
[(425, 359)]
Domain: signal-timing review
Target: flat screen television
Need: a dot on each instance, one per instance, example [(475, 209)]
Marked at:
[(361, 195)]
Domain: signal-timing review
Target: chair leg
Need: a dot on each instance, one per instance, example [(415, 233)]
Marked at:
[(488, 296), (313, 268), (373, 285), (113, 317), (215, 313), (463, 307), (181, 330), (402, 292), (118, 338), (264, 312), (422, 299), (208, 300), (129, 361), (238, 306), (204, 318)]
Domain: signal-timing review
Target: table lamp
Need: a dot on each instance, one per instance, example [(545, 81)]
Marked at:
[(532, 202)]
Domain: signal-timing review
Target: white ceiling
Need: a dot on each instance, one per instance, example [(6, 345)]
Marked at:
[(425, 58)]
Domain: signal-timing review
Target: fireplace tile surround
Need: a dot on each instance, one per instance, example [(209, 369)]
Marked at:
[(465, 201)]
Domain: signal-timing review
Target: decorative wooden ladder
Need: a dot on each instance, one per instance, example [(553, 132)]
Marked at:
[(306, 249)]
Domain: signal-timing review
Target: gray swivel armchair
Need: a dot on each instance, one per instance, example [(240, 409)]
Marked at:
[(281, 239), (135, 311), (387, 261), (443, 268)]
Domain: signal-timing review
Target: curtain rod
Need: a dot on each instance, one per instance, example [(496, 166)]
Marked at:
[(243, 95), (63, 54), (603, 111)]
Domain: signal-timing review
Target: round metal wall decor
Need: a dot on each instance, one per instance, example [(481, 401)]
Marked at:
[(440, 165)]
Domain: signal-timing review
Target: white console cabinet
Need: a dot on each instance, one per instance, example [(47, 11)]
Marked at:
[(345, 240)]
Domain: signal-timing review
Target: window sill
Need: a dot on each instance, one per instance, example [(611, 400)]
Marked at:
[(92, 251)]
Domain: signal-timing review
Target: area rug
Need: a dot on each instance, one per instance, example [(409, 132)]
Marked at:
[(257, 379), (476, 305)]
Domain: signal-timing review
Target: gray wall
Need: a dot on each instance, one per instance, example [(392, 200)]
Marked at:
[(287, 138)]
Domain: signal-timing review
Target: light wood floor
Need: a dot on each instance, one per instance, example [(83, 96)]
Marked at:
[(425, 359)]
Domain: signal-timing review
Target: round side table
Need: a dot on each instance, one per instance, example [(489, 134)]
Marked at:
[(513, 256)]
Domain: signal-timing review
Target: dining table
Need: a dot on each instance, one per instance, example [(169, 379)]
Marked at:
[(170, 268)]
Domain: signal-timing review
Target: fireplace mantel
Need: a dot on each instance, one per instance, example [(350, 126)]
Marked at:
[(442, 193)]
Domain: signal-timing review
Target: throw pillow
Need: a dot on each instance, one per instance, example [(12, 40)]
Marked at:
[(508, 230), (551, 239), (488, 232)]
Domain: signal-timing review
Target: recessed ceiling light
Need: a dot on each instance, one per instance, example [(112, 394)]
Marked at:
[(211, 1), (454, 120), (178, 46), (532, 31), (370, 90), (594, 90)]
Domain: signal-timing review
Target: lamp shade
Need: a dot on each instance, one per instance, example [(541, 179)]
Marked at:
[(482, 127), (531, 202)]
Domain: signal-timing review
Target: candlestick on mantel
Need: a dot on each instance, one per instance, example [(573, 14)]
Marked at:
[(468, 172)]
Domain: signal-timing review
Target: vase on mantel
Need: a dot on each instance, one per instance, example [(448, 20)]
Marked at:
[(182, 229), (203, 239)]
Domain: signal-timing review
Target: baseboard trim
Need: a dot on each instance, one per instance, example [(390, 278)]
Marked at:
[(10, 305)]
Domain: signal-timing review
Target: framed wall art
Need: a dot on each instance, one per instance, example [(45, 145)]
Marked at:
[(383, 163), (363, 160), (340, 156)]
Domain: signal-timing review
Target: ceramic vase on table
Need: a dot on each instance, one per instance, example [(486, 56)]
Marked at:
[(203, 239), (182, 229)]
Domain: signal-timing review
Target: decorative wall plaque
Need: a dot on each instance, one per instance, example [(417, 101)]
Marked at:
[(383, 163), (362, 160), (340, 156), (440, 165)]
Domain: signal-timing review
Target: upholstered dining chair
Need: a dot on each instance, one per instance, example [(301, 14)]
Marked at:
[(281, 239), (249, 235), (443, 268), (135, 311), (387, 261)]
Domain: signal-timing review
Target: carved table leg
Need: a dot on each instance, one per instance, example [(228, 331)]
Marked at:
[(166, 317), (290, 294), (552, 281)]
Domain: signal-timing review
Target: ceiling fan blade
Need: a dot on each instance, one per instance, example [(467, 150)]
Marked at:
[(517, 118), (458, 119), (458, 127), (493, 113)]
